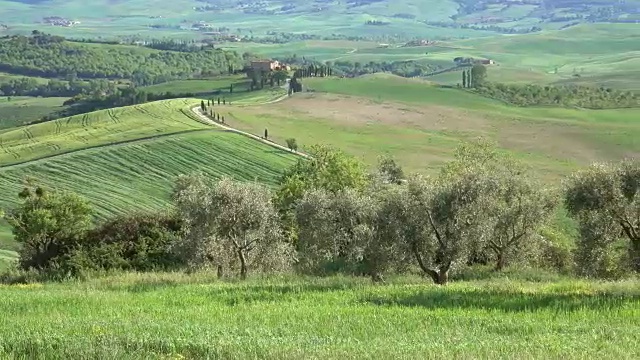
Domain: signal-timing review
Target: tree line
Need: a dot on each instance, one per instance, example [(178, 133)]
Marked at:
[(42, 55), (28, 86), (590, 97), (330, 215), (405, 68)]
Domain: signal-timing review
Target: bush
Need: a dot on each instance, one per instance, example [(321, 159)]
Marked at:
[(49, 226), (140, 241), (555, 251), (292, 144)]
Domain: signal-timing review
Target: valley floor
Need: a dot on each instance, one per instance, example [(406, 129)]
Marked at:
[(194, 316)]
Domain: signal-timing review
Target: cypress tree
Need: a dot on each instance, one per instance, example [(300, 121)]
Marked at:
[(464, 79)]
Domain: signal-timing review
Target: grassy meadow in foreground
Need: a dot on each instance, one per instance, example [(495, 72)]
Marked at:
[(179, 316)]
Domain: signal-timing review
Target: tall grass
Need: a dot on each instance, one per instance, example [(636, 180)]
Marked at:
[(193, 316)]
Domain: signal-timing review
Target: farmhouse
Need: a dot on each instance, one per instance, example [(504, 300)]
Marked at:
[(268, 65), (468, 61)]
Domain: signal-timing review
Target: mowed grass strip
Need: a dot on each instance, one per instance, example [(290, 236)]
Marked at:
[(140, 175), (96, 129), (138, 316)]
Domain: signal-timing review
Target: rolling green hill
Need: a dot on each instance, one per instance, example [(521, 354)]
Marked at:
[(140, 174), (22, 110), (421, 124), (127, 158), (95, 129), (440, 18), (592, 54)]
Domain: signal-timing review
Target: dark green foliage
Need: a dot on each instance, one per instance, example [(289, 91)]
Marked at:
[(390, 171), (49, 225), (571, 96), (56, 88), (405, 68), (266, 134), (292, 144), (46, 56), (140, 242), (478, 75)]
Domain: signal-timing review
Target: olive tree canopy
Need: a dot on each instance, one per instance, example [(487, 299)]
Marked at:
[(605, 200), (231, 224)]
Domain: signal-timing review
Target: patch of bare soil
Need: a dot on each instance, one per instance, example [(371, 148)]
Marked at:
[(559, 141), (360, 111)]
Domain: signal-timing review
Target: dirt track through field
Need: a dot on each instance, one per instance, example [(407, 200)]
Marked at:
[(555, 139), (196, 110)]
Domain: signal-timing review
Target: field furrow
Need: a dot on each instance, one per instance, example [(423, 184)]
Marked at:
[(140, 175), (95, 129)]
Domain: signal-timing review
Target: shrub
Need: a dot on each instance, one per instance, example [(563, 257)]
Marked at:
[(140, 241), (50, 226), (292, 144)]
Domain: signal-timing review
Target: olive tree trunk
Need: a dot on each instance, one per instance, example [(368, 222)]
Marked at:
[(243, 264), (635, 254)]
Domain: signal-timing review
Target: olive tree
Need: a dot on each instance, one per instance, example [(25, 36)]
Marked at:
[(605, 201), (327, 169), (515, 205), (349, 228), (333, 228), (231, 224), (517, 210), (389, 171), (447, 221)]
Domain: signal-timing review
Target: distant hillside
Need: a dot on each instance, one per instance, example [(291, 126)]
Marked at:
[(128, 158), (53, 57), (349, 18)]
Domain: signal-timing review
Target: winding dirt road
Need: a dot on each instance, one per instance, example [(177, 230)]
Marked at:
[(198, 111)]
